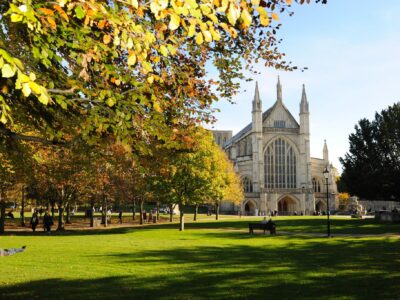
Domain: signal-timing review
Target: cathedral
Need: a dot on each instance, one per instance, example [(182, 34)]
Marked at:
[(272, 157)]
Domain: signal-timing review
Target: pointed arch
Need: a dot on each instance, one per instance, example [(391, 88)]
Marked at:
[(250, 207)]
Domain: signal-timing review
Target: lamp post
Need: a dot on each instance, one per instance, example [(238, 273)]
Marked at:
[(326, 175)]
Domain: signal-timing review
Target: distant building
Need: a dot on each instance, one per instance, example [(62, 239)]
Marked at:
[(272, 156)]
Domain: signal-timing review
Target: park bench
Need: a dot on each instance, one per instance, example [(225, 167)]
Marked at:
[(268, 226)]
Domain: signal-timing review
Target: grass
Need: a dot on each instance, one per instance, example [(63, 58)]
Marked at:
[(216, 260)]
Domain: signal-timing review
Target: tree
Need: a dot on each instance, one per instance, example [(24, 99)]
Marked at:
[(129, 68), (372, 167)]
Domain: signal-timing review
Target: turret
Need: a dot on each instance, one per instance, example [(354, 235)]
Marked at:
[(304, 102), (256, 140), (326, 153), (305, 141), (279, 91)]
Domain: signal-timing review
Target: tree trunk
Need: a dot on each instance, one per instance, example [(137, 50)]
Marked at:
[(23, 207), (60, 217), (2, 212), (53, 204), (68, 216), (92, 212), (196, 208), (216, 211), (134, 210), (105, 210), (181, 218), (141, 211), (158, 211), (171, 212)]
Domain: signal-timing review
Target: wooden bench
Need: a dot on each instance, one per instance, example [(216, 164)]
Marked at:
[(268, 226)]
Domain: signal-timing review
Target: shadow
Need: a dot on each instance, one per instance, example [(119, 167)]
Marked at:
[(366, 269)]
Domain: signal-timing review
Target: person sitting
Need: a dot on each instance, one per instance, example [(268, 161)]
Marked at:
[(11, 251), (264, 221)]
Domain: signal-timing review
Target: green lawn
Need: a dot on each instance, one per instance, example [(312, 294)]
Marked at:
[(209, 260)]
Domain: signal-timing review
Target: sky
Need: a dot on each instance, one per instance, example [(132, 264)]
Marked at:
[(352, 51)]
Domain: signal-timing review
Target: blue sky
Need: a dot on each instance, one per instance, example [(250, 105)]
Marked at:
[(352, 51)]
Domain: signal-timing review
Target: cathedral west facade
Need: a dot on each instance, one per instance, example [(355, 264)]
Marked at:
[(272, 157)]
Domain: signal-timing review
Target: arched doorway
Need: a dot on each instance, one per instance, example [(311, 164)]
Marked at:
[(250, 208), (287, 207), (320, 206)]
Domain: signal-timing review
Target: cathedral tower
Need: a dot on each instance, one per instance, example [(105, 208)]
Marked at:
[(257, 140), (305, 160)]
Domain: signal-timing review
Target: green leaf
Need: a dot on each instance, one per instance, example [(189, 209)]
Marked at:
[(80, 12), (8, 71)]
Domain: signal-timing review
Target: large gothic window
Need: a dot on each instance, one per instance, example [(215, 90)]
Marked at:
[(247, 185), (280, 165)]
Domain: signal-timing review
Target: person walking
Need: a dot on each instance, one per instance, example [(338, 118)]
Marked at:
[(120, 217), (47, 222), (34, 221)]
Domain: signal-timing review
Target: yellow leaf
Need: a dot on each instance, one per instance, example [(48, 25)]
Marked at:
[(129, 44), (34, 87), (246, 18), (275, 16), (199, 38), (224, 6), (7, 71), (32, 76), (262, 11), (163, 3), (215, 34), (3, 118), (131, 59), (106, 39), (264, 20), (157, 107), (255, 2), (26, 90), (44, 99), (233, 14), (134, 3), (150, 79), (164, 50), (192, 30), (16, 18), (207, 36), (174, 23)]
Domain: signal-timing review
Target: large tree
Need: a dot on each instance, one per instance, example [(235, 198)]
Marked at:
[(130, 68), (371, 168)]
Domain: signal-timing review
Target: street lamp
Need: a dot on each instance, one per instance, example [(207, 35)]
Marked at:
[(326, 175)]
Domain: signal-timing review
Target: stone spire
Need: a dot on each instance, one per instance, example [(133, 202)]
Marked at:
[(279, 91), (257, 100), (304, 102), (326, 154)]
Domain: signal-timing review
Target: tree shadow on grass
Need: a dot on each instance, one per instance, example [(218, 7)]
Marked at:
[(361, 269)]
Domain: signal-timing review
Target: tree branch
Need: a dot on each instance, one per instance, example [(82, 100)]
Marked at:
[(21, 137), (62, 92)]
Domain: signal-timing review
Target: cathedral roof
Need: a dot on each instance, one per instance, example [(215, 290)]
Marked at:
[(265, 116)]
